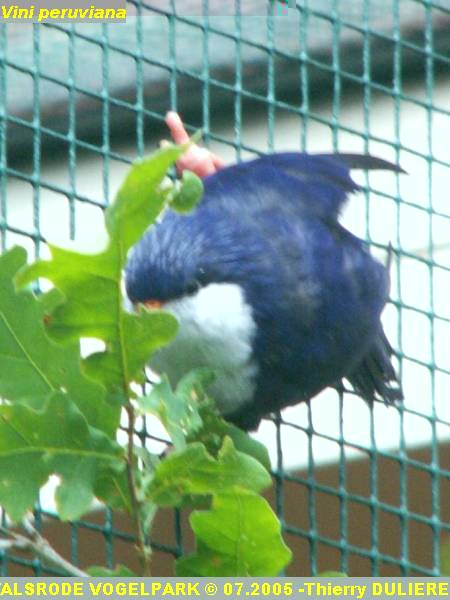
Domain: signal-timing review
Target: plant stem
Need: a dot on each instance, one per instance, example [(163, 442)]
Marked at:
[(144, 549), (40, 547)]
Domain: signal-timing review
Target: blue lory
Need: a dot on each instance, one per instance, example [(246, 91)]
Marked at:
[(270, 290)]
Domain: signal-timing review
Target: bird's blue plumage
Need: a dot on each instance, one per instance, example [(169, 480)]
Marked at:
[(271, 226)]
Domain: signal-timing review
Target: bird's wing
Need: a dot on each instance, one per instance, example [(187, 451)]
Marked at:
[(316, 183)]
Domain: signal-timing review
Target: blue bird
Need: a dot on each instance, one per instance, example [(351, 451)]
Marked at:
[(270, 290)]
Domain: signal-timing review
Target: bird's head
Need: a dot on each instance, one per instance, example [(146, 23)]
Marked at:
[(194, 268), (167, 263), (183, 254)]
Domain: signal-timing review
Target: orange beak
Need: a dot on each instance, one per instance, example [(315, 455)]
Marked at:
[(153, 304)]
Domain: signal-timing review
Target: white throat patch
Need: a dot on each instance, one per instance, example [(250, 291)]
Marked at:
[(216, 330)]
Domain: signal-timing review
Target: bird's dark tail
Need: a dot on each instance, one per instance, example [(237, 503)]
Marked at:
[(375, 378), (366, 162)]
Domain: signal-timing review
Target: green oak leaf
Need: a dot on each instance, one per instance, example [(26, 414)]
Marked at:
[(56, 439), (92, 283), (445, 557), (193, 471), (111, 486), (142, 335), (178, 411), (189, 193), (215, 428), (31, 365), (240, 536), (141, 197), (188, 415)]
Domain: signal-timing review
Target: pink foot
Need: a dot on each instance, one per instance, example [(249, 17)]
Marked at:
[(199, 160)]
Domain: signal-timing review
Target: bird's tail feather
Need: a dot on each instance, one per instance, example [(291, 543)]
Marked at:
[(365, 162), (375, 378)]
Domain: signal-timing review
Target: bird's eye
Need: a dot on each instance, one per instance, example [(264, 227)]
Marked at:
[(193, 287)]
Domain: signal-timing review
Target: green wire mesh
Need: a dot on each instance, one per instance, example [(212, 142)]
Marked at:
[(75, 92)]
